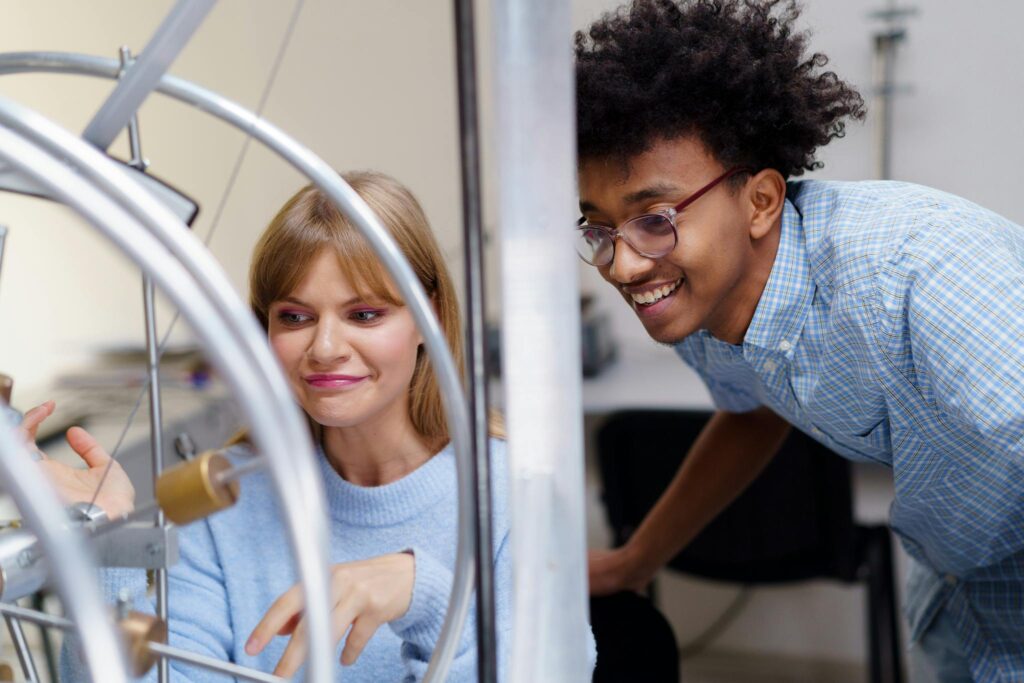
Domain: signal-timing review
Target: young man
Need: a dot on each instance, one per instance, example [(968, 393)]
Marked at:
[(885, 320)]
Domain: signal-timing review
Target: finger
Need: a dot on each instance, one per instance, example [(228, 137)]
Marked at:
[(287, 606), (294, 654), (33, 418), (289, 626), (362, 630), (87, 447)]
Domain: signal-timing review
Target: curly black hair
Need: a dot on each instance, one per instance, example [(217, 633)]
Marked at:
[(731, 72)]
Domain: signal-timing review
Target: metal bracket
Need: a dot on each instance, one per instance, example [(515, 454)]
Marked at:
[(180, 204), (138, 545)]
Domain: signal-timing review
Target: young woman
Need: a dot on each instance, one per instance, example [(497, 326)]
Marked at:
[(355, 360)]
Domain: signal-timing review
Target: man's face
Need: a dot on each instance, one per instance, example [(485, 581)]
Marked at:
[(700, 283)]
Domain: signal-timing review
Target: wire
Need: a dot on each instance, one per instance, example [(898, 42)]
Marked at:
[(221, 204)]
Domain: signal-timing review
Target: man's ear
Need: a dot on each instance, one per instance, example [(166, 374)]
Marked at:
[(766, 191)]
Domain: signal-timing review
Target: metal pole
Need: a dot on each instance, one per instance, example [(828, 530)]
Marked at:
[(171, 36), (28, 665), (476, 341), (168, 652), (156, 422), (541, 337), (3, 240)]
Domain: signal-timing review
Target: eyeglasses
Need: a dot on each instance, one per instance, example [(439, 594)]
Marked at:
[(651, 235)]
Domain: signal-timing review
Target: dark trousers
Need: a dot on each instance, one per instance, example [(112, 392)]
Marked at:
[(634, 641)]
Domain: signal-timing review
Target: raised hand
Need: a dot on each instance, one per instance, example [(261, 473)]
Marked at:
[(366, 595), (74, 484)]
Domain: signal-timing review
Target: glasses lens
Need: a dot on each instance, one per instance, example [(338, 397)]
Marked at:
[(652, 234), (593, 245)]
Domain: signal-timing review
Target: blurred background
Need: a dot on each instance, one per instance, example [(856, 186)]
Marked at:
[(372, 85)]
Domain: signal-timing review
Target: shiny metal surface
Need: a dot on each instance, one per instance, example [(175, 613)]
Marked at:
[(325, 178), (100, 191), (21, 648), (476, 339), (541, 337), (162, 49), (67, 555), (23, 569), (202, 661)]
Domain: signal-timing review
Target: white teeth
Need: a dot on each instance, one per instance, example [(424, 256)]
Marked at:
[(649, 297)]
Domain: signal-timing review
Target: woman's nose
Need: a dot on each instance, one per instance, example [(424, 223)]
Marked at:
[(329, 344)]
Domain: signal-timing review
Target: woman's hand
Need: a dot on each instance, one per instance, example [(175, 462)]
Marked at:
[(365, 595), (76, 485)]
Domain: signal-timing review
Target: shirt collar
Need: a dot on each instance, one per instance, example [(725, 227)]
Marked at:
[(786, 299)]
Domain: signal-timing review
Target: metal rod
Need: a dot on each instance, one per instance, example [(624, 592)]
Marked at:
[(476, 341), (105, 527), (254, 465), (542, 377), (168, 652), (162, 49), (36, 617), (28, 665), (156, 422), (3, 240), (327, 180)]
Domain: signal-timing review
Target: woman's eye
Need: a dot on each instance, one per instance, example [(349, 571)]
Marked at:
[(366, 316), (292, 318)]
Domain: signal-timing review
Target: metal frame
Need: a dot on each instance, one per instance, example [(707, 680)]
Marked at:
[(328, 181), (103, 194), (536, 159)]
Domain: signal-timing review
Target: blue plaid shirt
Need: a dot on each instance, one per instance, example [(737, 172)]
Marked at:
[(891, 330)]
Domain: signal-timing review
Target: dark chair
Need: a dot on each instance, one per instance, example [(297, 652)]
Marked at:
[(795, 522)]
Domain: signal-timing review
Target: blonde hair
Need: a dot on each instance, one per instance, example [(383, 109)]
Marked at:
[(309, 222)]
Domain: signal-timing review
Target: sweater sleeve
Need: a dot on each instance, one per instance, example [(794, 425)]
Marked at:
[(420, 627), (198, 617)]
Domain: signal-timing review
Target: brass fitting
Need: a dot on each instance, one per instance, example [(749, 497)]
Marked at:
[(138, 630), (193, 489)]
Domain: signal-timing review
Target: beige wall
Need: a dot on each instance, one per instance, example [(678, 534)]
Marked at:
[(364, 84)]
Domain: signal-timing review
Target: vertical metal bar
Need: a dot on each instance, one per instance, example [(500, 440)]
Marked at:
[(156, 424), (28, 665), (476, 349), (3, 240), (161, 50), (541, 337)]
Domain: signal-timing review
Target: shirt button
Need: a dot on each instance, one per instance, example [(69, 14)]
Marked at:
[(815, 431), (950, 579), (770, 366), (785, 345)]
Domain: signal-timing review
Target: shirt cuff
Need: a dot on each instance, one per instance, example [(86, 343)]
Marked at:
[(432, 586)]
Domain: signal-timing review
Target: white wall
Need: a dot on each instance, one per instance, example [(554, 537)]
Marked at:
[(365, 85)]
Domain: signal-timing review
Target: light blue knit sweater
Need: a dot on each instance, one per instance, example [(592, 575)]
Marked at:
[(237, 562)]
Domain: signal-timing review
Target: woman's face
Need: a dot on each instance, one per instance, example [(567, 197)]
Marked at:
[(349, 361)]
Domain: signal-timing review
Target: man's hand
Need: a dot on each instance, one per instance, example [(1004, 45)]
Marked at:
[(612, 571), (366, 594)]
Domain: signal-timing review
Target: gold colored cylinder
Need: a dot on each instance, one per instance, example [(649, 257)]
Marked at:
[(193, 490), (138, 630)]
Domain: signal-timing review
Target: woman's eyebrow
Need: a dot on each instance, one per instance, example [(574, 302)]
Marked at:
[(299, 302)]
